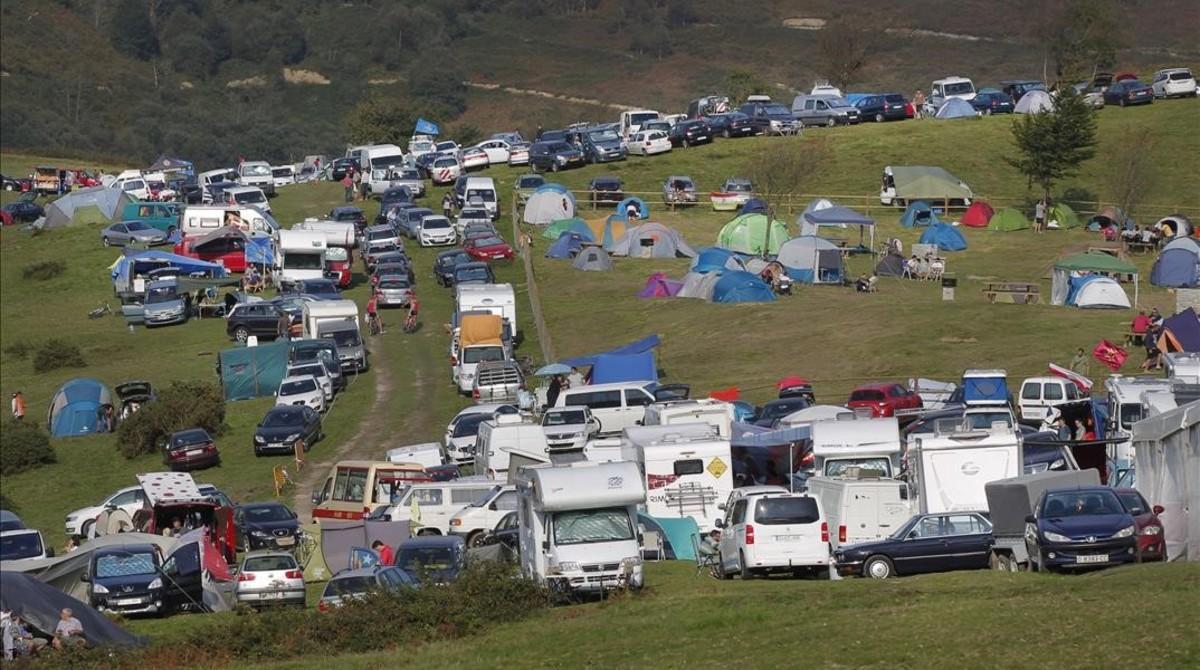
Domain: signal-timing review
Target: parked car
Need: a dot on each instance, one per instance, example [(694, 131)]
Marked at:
[(679, 189), (129, 500), (823, 110), (436, 230), (1128, 92), (24, 209), (317, 370), (282, 425), (339, 167), (349, 214), (474, 158), (1015, 88), (301, 391), (885, 107), (472, 272), (606, 188), (1080, 528), (125, 578), (1150, 543), (925, 543), (648, 143), (1092, 96), (321, 289), (24, 543), (518, 154), (1174, 81), (192, 449), (121, 234), (507, 532), (445, 169), (731, 124), (488, 249), (166, 303), (469, 216), (409, 222), (602, 145), (267, 525), (350, 584), (394, 291), (21, 184), (884, 399), (434, 558), (774, 410), (444, 264), (993, 102), (688, 133), (478, 229), (270, 578), (526, 184), (260, 319), (407, 178), (770, 118), (763, 533), (554, 156)]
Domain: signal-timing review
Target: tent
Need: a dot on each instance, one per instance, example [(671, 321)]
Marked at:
[(547, 205), (645, 344), (96, 204), (643, 208), (592, 258), (1078, 264), (1176, 225), (977, 215), (711, 259), (1180, 332), (822, 213), (133, 263), (1110, 215), (1167, 459), (922, 182), (753, 206), (40, 605), (567, 245), (918, 213), (736, 286), (1178, 265), (556, 188), (753, 234), (607, 230), (74, 407), (891, 265), (817, 205), (945, 236), (659, 286), (699, 285), (1034, 102), (955, 108), (613, 368), (572, 224), (812, 260), (1008, 220), (63, 571), (252, 372), (652, 240), (1097, 292), (1060, 215)]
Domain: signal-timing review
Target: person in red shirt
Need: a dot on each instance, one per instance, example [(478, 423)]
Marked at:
[(1141, 324), (384, 551)]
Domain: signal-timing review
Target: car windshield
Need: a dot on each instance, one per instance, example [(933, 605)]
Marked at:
[(282, 172), (18, 546), (471, 274), (868, 395), (393, 284), (282, 418), (416, 559), (481, 354), (639, 119), (318, 287), (776, 110), (137, 225), (839, 467), (776, 409), (160, 294), (1180, 76), (337, 254), (250, 197), (481, 214), (445, 162), (267, 513), (297, 386), (271, 563), (125, 564), (468, 426), (984, 420), (894, 98), (189, 437), (435, 224), (344, 338), (446, 146), (780, 511), (530, 182), (302, 261), (450, 260), (486, 195), (256, 170), (1081, 503), (738, 187), (959, 88), (564, 417), (307, 371), (603, 136), (588, 526)]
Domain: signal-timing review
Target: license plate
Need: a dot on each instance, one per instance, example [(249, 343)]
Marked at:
[(276, 445), (285, 541), (788, 538), (195, 452), (273, 595), (1092, 558), (121, 602)]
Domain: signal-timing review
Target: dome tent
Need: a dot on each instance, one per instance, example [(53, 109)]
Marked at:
[(699, 285), (891, 265), (652, 240), (750, 233), (736, 287), (75, 407), (1097, 292), (918, 213), (812, 260), (548, 204), (1034, 102), (1061, 216), (567, 245), (945, 236), (977, 215), (592, 258), (710, 259), (955, 108), (1008, 220), (753, 206), (658, 285), (1178, 265), (1068, 270), (573, 224), (643, 208), (609, 229), (1176, 225)]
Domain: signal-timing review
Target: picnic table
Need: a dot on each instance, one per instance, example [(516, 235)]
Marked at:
[(1017, 293), (1141, 245)]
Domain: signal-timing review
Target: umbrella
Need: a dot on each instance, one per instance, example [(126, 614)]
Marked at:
[(553, 369)]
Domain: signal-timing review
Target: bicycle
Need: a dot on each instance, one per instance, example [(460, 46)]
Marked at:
[(100, 311), (375, 323), (411, 324)]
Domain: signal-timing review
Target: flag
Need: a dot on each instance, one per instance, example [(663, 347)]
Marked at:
[(1110, 354), (426, 127), (414, 514), (1083, 383)]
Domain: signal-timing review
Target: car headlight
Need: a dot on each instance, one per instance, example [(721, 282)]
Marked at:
[(156, 584), (99, 589), (568, 566), (71, 519), (258, 439), (1125, 532), (631, 562), (1055, 537), (292, 438), (260, 533), (1152, 530), (561, 159)]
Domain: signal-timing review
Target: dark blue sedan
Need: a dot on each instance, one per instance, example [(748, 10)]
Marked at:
[(732, 124), (1080, 528), (993, 102), (1128, 92), (925, 543)]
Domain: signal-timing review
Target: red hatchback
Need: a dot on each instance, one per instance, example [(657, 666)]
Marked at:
[(191, 449), (1150, 543), (488, 249), (884, 399)]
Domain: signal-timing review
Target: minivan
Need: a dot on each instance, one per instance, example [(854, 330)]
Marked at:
[(1038, 394), (616, 406), (438, 502), (473, 521), (481, 192), (823, 110), (774, 532)]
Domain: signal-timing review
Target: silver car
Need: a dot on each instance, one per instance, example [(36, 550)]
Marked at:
[(166, 303), (394, 291), (409, 178), (270, 578), (120, 234), (679, 190)]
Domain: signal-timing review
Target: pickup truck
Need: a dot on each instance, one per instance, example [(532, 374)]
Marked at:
[(497, 381)]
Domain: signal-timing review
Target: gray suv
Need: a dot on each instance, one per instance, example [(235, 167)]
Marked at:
[(824, 110)]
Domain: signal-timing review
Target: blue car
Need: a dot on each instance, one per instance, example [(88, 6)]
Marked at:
[(925, 543), (1080, 528), (883, 107), (601, 145), (993, 102)]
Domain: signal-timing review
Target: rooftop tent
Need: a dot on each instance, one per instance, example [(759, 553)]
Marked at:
[(86, 205), (643, 208), (753, 206), (1060, 215), (645, 344), (41, 603), (945, 236), (613, 368), (812, 260), (699, 285), (891, 265), (748, 234), (715, 258), (1097, 292), (955, 108), (977, 215), (1176, 225), (1167, 458), (1034, 102), (652, 240), (736, 287), (1008, 220), (74, 407), (833, 215), (573, 224), (658, 285), (567, 245), (923, 182), (547, 205), (918, 213), (592, 258), (1178, 266), (1085, 263), (252, 372), (1180, 332)]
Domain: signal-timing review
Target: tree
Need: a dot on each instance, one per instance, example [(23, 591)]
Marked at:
[(1082, 36), (741, 84), (783, 170), (1134, 168), (131, 32), (846, 46), (1051, 146), (378, 121)]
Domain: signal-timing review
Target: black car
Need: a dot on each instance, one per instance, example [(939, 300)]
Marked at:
[(473, 272), (885, 107), (269, 525), (1128, 92), (731, 124), (283, 425), (554, 156), (125, 578), (338, 168), (349, 214), (1080, 528), (15, 183), (507, 532), (775, 410), (24, 210), (261, 319), (688, 133), (925, 543), (322, 289), (444, 264), (993, 102), (606, 189), (432, 558)]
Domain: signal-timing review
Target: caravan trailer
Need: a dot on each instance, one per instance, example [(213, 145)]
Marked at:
[(861, 509), (872, 444), (950, 470), (716, 413), (688, 470)]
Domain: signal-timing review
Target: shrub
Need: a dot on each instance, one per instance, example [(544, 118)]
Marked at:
[(19, 349), (23, 446), (182, 405), (54, 354), (43, 270)]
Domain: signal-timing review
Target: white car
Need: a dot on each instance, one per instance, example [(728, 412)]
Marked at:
[(445, 170), (298, 390), (447, 147), (1174, 81), (129, 500), (773, 532), (316, 370), (251, 196), (16, 545), (436, 230), (648, 143), (284, 175), (569, 427), (474, 157), (459, 440), (497, 151), (518, 154)]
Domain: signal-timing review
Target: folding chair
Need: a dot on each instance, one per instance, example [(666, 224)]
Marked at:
[(652, 541), (704, 561)]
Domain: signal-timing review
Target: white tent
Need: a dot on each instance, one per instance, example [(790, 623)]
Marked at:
[(1167, 459), (546, 206), (651, 240), (812, 260), (1101, 292), (698, 285), (1034, 102), (592, 258)]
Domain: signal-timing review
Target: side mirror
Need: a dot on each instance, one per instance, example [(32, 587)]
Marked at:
[(492, 506), (316, 498), (1158, 509), (1031, 519), (912, 535)]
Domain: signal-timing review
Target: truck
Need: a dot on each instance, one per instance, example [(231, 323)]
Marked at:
[(949, 470), (479, 340), (337, 233), (259, 174), (300, 254), (872, 444), (862, 507), (499, 437), (632, 120), (688, 470), (716, 413), (499, 299), (579, 526), (1010, 502), (337, 320)]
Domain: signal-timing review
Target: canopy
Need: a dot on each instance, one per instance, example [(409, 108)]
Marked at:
[(1178, 265), (253, 372), (613, 368), (977, 215), (1008, 220), (1060, 215), (133, 263), (918, 213), (737, 286), (821, 212), (652, 240), (573, 224), (710, 259), (547, 205), (40, 605), (1034, 102), (658, 285), (568, 244), (74, 408), (592, 258), (922, 182), (812, 260), (642, 208), (753, 234), (96, 204), (1079, 264), (645, 344), (945, 236), (955, 108)]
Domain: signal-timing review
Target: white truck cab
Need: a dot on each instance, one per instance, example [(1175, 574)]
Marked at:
[(498, 438), (481, 192), (632, 120), (473, 521), (950, 87), (1127, 404)]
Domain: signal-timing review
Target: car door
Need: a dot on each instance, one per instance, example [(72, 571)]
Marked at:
[(129, 501), (968, 538), (732, 534), (923, 549), (183, 583)]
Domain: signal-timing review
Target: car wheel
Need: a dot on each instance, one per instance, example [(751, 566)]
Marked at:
[(9, 187), (879, 567), (743, 568), (831, 122), (475, 539), (241, 334), (879, 118), (257, 453), (86, 529), (554, 166), (107, 242)]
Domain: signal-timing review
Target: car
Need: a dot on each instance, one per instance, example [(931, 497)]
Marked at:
[(478, 229), (774, 410), (770, 118), (317, 370), (506, 532), (266, 525), (269, 578), (526, 184), (518, 154), (1080, 528), (731, 124), (444, 264), (445, 169), (554, 156), (20, 184), (497, 150), (1092, 96), (23, 543), (436, 230), (1128, 92), (406, 178), (925, 543), (260, 319), (472, 272), (121, 234), (447, 147), (606, 188), (353, 584), (191, 449), (10, 521), (339, 167), (125, 579), (474, 158), (1016, 88), (883, 107), (1150, 543), (389, 261), (301, 390), (23, 210), (394, 291), (166, 303), (648, 143), (376, 237), (283, 425), (348, 214), (768, 532), (248, 196), (824, 110), (569, 427), (129, 500), (602, 145), (339, 263), (679, 189), (438, 559), (283, 175), (488, 249), (884, 399), (409, 223), (321, 289), (468, 216), (988, 102), (1172, 82), (459, 438)]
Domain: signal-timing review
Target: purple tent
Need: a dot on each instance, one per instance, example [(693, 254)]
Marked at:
[(659, 286), (1181, 332)]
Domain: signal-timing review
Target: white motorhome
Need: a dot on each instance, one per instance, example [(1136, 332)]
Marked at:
[(871, 444), (1127, 404), (862, 509), (257, 173), (716, 413), (688, 470), (203, 219), (481, 192), (631, 121), (337, 233), (949, 470), (498, 299), (579, 525), (300, 255), (428, 454), (499, 437), (320, 313)]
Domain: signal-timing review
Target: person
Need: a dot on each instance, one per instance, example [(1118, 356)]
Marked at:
[(862, 284), (110, 418), (709, 546), (575, 378), (447, 205), (392, 214), (538, 136), (373, 313), (18, 406), (1155, 318), (358, 180), (17, 640), (71, 545), (918, 103), (385, 552), (631, 211), (1039, 216), (69, 630), (348, 184), (553, 391), (1141, 324), (1079, 362), (410, 322), (1089, 429), (101, 420), (250, 281)]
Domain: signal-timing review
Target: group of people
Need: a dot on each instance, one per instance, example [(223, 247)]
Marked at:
[(1148, 236), (1145, 331), (354, 183), (19, 642), (560, 383)]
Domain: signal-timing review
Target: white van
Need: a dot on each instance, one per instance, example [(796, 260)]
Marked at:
[(300, 254), (498, 299), (321, 313), (438, 502), (716, 413), (203, 219), (862, 509), (631, 121), (248, 196), (473, 521), (774, 532), (688, 470), (499, 437), (1039, 393), (257, 174), (481, 192), (616, 406), (950, 87)]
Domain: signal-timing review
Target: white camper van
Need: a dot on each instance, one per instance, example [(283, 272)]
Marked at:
[(688, 470), (1039, 393), (300, 255), (498, 299), (499, 437), (716, 413), (321, 313), (861, 509), (579, 525), (950, 470), (203, 219), (481, 192), (872, 444), (438, 502), (616, 406)]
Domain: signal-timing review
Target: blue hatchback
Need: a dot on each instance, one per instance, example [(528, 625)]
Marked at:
[(1080, 528)]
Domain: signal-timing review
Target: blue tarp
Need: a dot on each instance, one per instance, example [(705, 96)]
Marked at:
[(677, 535), (1177, 267), (918, 213), (737, 286), (74, 408), (985, 390), (424, 127), (642, 345), (643, 208), (567, 245), (260, 250), (713, 259), (945, 236), (134, 262), (613, 368), (753, 206)]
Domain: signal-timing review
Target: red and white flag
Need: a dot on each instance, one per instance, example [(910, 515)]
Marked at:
[(1083, 383)]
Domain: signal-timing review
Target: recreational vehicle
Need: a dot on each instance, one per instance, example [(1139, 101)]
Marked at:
[(949, 470), (688, 470)]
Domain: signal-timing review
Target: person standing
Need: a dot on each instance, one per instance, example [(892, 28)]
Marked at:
[(918, 103), (1039, 216), (386, 556), (553, 391), (348, 184), (447, 205), (575, 378), (1079, 362), (18, 406)]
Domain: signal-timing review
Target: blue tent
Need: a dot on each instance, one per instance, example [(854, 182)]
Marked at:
[(738, 286), (612, 368), (567, 245), (678, 534), (1178, 266), (714, 259), (642, 345), (253, 372), (133, 262), (557, 188), (260, 250), (643, 208), (945, 236), (753, 206), (955, 108), (74, 408), (918, 213)]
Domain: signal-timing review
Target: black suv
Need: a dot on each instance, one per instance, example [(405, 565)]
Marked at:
[(261, 319), (554, 156), (688, 133)]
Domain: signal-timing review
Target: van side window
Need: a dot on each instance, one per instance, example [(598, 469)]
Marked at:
[(810, 104), (351, 485), (428, 497), (739, 512), (596, 399), (467, 496), (1031, 391), (210, 223), (693, 466), (635, 398), (506, 501), (1072, 392), (1053, 392)]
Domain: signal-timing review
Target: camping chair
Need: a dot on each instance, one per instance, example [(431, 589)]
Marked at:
[(652, 541), (704, 561), (936, 269)]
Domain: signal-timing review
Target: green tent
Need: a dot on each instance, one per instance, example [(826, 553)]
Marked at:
[(748, 234), (922, 182), (557, 228), (1008, 220), (253, 372), (1096, 262), (1064, 216)]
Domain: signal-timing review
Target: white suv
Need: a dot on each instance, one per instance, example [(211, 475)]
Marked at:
[(774, 532), (1175, 81)]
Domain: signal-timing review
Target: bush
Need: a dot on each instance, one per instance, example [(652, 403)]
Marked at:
[(19, 349), (43, 270), (54, 354), (23, 446), (180, 406)]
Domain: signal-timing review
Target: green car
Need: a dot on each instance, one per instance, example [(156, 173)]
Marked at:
[(161, 215)]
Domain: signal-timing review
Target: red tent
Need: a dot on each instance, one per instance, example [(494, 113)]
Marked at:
[(977, 215)]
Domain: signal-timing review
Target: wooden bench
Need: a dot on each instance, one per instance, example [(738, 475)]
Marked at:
[(1017, 293)]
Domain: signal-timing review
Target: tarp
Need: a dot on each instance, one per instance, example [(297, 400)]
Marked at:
[(658, 285), (1178, 265), (945, 236), (592, 258), (835, 215), (480, 329), (1008, 220), (812, 260), (260, 250), (678, 534), (73, 409), (613, 368), (315, 569), (918, 213), (573, 224), (1060, 215), (339, 538), (651, 240), (710, 259), (567, 245), (955, 108), (923, 182), (1167, 459), (96, 204), (40, 605), (547, 205), (1095, 262), (645, 344), (1097, 292), (1180, 332), (737, 287), (699, 285), (977, 215), (253, 372), (748, 234), (642, 207), (63, 572), (132, 263)]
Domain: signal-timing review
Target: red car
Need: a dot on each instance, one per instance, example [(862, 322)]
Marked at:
[(225, 246), (488, 249), (191, 449), (341, 261), (884, 399), (1150, 543)]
